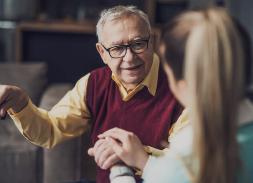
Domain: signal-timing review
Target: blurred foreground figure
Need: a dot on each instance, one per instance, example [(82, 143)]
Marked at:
[(206, 56)]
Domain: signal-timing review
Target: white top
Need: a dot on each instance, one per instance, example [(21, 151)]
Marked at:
[(162, 169)]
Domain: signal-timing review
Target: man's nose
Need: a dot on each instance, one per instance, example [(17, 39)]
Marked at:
[(129, 57)]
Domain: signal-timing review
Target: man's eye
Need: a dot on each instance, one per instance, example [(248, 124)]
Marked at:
[(138, 45), (118, 49)]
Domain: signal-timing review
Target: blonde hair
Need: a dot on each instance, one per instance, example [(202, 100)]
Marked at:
[(214, 74), (212, 65)]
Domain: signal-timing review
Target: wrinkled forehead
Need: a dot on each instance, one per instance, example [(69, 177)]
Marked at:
[(124, 29)]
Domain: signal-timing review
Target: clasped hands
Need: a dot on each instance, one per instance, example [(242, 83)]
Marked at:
[(117, 146), (104, 155)]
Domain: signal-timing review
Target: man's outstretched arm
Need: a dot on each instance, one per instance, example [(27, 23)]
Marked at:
[(68, 119)]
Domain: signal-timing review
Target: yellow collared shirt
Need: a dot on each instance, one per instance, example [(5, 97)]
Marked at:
[(70, 117)]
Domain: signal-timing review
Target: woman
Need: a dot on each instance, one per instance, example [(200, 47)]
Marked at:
[(203, 54)]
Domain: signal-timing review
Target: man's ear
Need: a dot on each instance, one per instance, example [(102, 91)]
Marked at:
[(184, 92), (152, 41), (101, 52), (152, 38), (182, 84)]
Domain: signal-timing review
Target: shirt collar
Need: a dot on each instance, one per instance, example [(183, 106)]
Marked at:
[(150, 80)]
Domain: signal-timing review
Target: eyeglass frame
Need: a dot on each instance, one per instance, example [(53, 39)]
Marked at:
[(126, 46)]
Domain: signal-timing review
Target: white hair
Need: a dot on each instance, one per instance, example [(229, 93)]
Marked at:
[(118, 12)]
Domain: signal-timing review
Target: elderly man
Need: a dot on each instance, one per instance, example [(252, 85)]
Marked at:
[(131, 92)]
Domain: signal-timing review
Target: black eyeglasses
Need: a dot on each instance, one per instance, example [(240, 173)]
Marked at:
[(136, 47)]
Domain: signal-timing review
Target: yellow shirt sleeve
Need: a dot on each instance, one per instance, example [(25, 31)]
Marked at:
[(182, 122), (66, 120)]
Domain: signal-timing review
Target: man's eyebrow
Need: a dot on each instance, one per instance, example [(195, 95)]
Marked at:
[(118, 43), (139, 38)]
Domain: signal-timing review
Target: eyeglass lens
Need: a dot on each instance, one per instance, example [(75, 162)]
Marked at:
[(120, 51)]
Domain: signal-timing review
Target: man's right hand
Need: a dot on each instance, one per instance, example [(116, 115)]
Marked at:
[(13, 98), (103, 154)]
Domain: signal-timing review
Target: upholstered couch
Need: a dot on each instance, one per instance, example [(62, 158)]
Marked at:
[(24, 162)]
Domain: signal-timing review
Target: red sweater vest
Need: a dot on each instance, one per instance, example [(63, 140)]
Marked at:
[(149, 117)]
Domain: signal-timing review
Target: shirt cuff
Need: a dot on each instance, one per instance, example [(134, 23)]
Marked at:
[(24, 117), (123, 179), (148, 165)]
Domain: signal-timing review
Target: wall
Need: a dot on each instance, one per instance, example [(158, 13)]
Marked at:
[(62, 9), (242, 9)]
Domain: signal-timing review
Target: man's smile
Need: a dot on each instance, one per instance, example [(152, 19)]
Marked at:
[(132, 68)]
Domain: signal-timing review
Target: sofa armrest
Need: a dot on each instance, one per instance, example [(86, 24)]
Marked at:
[(68, 161), (62, 163), (53, 94)]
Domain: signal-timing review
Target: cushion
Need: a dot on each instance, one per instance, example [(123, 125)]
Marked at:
[(21, 165), (31, 77)]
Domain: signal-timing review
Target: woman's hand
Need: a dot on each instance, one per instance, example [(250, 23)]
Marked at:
[(127, 146)]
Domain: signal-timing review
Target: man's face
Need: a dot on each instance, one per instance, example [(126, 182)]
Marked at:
[(132, 68)]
